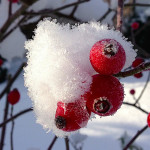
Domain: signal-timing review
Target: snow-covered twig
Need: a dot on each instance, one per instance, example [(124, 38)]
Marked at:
[(131, 72), (135, 137), (120, 14), (53, 142), (12, 80), (15, 116)]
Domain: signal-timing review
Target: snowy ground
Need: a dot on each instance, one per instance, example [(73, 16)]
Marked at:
[(102, 132)]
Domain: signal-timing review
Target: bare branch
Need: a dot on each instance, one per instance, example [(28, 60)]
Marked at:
[(53, 142), (137, 4), (67, 143), (135, 137)]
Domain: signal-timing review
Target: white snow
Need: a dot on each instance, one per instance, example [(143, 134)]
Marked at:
[(59, 68)]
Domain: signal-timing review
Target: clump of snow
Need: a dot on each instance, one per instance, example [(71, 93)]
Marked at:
[(59, 68)]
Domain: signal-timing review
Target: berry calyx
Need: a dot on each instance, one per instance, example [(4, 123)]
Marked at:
[(107, 57), (1, 62), (13, 96), (135, 25), (148, 119), (137, 62), (106, 95), (132, 91), (138, 75), (71, 116)]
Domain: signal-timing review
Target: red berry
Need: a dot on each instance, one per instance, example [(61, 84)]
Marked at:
[(13, 97), (106, 95), (148, 119), (138, 75), (71, 116), (1, 62), (14, 1), (137, 62), (135, 25), (107, 57), (132, 92)]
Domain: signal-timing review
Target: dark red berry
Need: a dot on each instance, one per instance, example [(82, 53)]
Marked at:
[(106, 95), (135, 25), (137, 62), (148, 119), (1, 62), (107, 57), (138, 75), (71, 116), (13, 97), (132, 92)]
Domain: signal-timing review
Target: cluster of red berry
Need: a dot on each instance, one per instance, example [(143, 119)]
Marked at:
[(106, 92)]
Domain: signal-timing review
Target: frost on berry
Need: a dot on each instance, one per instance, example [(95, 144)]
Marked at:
[(71, 116), (59, 68), (107, 57), (148, 119), (106, 95)]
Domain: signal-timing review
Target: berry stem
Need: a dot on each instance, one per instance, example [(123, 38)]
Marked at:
[(120, 14), (135, 137), (136, 70), (52, 143), (67, 143)]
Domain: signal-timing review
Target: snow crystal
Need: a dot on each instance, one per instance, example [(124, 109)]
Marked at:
[(59, 68)]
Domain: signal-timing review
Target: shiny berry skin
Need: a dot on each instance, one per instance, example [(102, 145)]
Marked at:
[(135, 25), (138, 75), (148, 119), (132, 92), (106, 95), (71, 116), (13, 97), (1, 62), (137, 62), (107, 57)]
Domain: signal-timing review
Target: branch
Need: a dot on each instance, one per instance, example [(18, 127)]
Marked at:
[(44, 12), (137, 4), (52, 143), (135, 137), (15, 116), (12, 80), (105, 15), (141, 109), (131, 72), (10, 8), (67, 143), (12, 129), (120, 14), (12, 18), (143, 89), (74, 9)]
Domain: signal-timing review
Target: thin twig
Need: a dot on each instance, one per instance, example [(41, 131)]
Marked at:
[(120, 14), (10, 8), (147, 81), (74, 9), (137, 4), (44, 12), (53, 142), (135, 137), (67, 143), (131, 72), (12, 129), (15, 116), (105, 15), (141, 109), (12, 80)]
